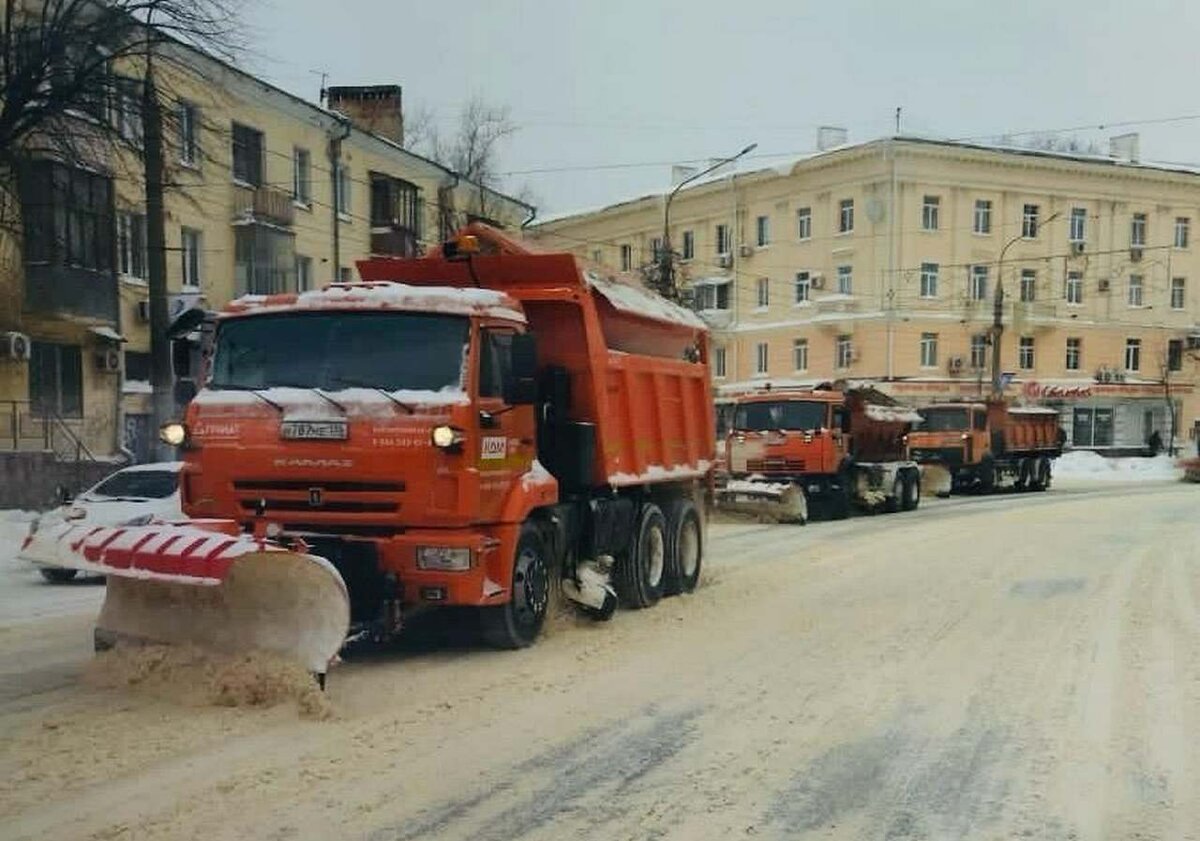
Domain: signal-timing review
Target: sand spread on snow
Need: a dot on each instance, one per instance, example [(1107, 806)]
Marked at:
[(192, 676)]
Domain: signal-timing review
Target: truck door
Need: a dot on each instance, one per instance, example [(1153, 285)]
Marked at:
[(506, 440)]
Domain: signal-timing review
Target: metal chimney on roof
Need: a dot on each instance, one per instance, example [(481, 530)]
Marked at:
[(830, 136), (1124, 147)]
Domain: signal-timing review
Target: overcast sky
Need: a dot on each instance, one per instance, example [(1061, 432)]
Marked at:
[(644, 82)]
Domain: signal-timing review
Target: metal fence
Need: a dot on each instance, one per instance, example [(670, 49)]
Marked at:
[(22, 429)]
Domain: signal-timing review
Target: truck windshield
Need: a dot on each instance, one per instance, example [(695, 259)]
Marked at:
[(943, 420), (336, 350), (800, 415)]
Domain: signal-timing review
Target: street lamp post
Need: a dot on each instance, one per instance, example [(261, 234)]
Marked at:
[(998, 307), (666, 257)]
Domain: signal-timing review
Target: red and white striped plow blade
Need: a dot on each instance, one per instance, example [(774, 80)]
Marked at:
[(181, 584)]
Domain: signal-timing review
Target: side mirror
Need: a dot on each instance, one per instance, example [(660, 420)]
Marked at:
[(184, 391), (520, 386)]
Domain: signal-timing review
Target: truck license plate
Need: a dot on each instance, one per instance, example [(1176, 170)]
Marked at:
[(324, 430)]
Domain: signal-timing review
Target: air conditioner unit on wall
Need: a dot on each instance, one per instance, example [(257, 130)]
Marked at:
[(1135, 254), (15, 346), (955, 364), (1078, 247), (724, 261), (108, 361), (817, 281), (1105, 284), (1193, 342), (143, 311), (745, 250)]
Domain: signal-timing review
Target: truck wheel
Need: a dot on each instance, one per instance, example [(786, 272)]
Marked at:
[(839, 498), (58, 575), (1026, 480), (1043, 473), (912, 491), (518, 623), (895, 501), (640, 571), (987, 475), (685, 547)]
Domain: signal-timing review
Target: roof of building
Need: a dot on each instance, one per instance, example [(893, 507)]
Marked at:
[(788, 164)]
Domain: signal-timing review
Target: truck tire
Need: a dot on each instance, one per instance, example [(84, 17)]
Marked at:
[(685, 547), (839, 498), (1043, 474), (895, 501), (987, 475), (640, 570), (518, 623), (1026, 481), (912, 491), (58, 575)]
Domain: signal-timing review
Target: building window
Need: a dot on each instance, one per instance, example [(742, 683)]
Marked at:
[(1133, 354), (845, 275), (930, 209), (1074, 287), (761, 358), (597, 255), (345, 275), (1025, 353), (264, 260), (979, 283), (689, 245), (979, 351), (929, 280), (844, 352), (127, 109), (247, 155), (1183, 227), (341, 193), (1175, 354), (67, 216), (656, 248), (763, 292), (1135, 290), (1073, 352), (1092, 428), (56, 380), (712, 296), (719, 362), (762, 230), (804, 223), (302, 176), (1178, 293), (929, 350), (1137, 230), (1029, 221), (626, 257), (303, 273), (800, 355), (723, 239), (189, 133), (983, 216), (131, 245), (189, 252), (137, 366), (1078, 230), (846, 216), (396, 207), (1028, 285), (803, 287)]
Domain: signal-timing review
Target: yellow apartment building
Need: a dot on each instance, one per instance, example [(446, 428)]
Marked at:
[(267, 193), (878, 262)]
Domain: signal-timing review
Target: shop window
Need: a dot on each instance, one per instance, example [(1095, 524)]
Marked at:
[(1092, 428)]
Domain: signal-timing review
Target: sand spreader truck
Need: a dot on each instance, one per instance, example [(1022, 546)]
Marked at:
[(456, 430)]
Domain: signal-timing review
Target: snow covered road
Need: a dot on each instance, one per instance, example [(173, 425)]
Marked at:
[(1012, 666)]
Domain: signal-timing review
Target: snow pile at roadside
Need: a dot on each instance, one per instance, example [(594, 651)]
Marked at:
[(1087, 465), (14, 525)]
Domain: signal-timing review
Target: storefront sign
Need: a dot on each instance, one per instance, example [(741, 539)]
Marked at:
[(1034, 390)]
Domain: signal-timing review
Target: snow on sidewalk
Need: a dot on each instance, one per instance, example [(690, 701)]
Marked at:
[(14, 525), (1087, 465)]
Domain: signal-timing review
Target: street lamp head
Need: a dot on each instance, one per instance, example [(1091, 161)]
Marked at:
[(747, 150)]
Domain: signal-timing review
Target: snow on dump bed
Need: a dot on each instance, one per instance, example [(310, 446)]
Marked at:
[(637, 301), (1088, 465), (449, 300), (658, 473), (1031, 410), (892, 414)]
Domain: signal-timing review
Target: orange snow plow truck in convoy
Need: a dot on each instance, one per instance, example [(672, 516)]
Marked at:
[(454, 430)]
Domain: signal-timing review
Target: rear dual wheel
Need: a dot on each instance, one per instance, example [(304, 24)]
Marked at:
[(641, 571), (912, 491), (685, 547)]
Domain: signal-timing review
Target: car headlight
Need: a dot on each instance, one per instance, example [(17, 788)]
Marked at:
[(443, 557), (173, 433), (446, 437)]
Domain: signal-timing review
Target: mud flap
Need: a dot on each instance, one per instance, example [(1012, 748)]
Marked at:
[(780, 501), (936, 480), (180, 584)]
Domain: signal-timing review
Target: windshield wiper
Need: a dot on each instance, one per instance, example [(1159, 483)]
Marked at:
[(311, 388), (383, 391)]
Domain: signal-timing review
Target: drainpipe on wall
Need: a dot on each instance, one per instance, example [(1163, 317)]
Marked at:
[(890, 293), (342, 129)]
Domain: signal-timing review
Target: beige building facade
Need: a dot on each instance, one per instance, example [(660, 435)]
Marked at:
[(879, 262), (267, 193)]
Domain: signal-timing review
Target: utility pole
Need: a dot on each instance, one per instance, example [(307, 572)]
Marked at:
[(162, 398), (898, 109), (998, 305), (666, 257)]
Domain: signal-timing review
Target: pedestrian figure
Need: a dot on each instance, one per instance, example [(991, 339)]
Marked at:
[(1154, 442)]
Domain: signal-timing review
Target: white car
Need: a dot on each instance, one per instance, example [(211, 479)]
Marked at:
[(139, 493)]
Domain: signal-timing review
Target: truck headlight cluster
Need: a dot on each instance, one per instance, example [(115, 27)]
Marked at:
[(447, 438), (173, 433), (443, 558)]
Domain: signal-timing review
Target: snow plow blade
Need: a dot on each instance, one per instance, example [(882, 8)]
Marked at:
[(936, 480), (783, 502), (207, 586)]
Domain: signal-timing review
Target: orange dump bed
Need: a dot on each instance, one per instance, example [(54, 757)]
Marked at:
[(1031, 429)]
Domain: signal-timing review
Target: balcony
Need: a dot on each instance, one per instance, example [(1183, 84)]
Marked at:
[(263, 204), (70, 290)]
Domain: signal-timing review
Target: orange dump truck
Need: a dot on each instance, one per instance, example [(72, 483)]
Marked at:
[(455, 430), (788, 451), (985, 446)]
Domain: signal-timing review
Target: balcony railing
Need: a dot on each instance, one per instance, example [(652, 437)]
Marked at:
[(264, 204), (24, 430), (69, 290)]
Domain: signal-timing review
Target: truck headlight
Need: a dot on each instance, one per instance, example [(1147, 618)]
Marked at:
[(446, 437), (173, 433), (443, 557)]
